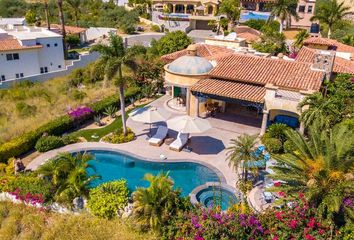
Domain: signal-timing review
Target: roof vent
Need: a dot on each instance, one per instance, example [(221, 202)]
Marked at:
[(323, 61), (192, 50)]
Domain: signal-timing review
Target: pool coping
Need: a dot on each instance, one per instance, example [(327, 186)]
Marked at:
[(106, 148)]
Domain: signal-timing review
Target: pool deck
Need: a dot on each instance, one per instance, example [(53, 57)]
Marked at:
[(208, 148)]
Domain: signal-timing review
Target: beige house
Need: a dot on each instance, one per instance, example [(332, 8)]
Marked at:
[(214, 81)]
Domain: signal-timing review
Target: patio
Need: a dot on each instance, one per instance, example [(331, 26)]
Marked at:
[(208, 147)]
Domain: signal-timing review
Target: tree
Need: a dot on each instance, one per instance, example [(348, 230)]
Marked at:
[(331, 12), (155, 205), (75, 5), (300, 38), (284, 10), (241, 153), (171, 42), (271, 42), (12, 8), (321, 166), (232, 10), (46, 10), (31, 17), (69, 175), (113, 57), (348, 39), (62, 22)]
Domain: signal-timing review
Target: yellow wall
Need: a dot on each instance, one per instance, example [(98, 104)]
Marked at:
[(233, 44), (182, 80), (316, 46)]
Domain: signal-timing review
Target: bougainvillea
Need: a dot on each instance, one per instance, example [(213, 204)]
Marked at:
[(80, 113), (28, 198)]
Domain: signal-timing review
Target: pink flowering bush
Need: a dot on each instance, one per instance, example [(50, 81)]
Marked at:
[(33, 199), (80, 113)]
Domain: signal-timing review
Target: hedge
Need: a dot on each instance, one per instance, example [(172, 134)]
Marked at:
[(26, 142)]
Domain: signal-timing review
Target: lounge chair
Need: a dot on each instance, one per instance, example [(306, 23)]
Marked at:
[(159, 136), (231, 37), (178, 144)]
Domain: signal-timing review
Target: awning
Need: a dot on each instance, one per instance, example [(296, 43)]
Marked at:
[(230, 89)]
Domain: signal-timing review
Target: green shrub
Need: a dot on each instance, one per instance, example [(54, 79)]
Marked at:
[(25, 110), (155, 28), (273, 145), (27, 184), (289, 147), (77, 94), (69, 139), (277, 131), (106, 199), (47, 143), (118, 137)]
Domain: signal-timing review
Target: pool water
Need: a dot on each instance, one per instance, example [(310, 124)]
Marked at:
[(112, 166), (254, 15), (217, 196)]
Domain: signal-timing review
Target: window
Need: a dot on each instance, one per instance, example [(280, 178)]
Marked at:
[(48, 45), (3, 78), (45, 69), (12, 56), (55, 44), (9, 57), (21, 75), (42, 70), (59, 66), (17, 75), (302, 8), (309, 10)]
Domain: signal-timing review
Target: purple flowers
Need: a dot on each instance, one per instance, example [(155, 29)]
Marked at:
[(80, 112), (348, 202), (33, 199)]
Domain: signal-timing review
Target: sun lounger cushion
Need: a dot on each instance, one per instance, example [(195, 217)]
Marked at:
[(181, 140), (160, 135)]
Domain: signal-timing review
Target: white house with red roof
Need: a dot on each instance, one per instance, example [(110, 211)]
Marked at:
[(28, 51)]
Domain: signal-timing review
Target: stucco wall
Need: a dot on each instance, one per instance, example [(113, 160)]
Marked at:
[(182, 80)]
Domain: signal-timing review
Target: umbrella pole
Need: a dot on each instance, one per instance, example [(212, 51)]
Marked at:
[(150, 131)]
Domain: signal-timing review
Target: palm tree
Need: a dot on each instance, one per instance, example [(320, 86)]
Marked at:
[(316, 106), (300, 38), (241, 153), (155, 205), (69, 175), (46, 9), (113, 57), (284, 10), (62, 23), (330, 13), (321, 166), (75, 5)]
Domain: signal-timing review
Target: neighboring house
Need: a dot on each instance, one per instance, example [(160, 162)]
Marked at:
[(344, 54), (305, 9), (72, 30), (241, 86), (11, 22), (27, 51)]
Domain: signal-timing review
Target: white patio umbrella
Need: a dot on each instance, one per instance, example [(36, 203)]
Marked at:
[(188, 124), (149, 115)]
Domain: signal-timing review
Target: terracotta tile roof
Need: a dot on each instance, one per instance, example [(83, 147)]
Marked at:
[(10, 44), (258, 70), (341, 65), (330, 43), (203, 50), (68, 29), (250, 37), (247, 33), (230, 89)]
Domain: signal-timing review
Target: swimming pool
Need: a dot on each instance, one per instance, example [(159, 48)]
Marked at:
[(254, 15), (113, 165)]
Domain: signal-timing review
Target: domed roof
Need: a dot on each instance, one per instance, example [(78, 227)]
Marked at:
[(190, 65)]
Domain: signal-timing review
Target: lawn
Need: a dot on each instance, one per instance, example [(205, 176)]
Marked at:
[(20, 222)]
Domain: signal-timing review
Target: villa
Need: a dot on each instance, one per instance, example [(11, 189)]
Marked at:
[(71, 30), (27, 51), (207, 80)]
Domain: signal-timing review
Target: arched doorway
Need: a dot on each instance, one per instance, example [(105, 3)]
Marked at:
[(286, 117), (210, 9)]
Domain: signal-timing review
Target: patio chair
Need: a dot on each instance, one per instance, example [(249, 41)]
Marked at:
[(181, 140), (159, 136)]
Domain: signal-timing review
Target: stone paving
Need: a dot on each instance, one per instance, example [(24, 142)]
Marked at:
[(208, 147)]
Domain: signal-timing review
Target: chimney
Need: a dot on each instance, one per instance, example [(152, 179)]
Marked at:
[(192, 50), (323, 61)]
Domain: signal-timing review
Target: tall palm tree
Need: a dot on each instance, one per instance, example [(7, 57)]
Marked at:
[(300, 38), (113, 57), (284, 10), (69, 175), (62, 23), (241, 153), (46, 10), (331, 12), (232, 10), (155, 205), (321, 166), (75, 5)]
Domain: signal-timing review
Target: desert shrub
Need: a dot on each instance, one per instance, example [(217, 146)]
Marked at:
[(47, 143), (26, 184), (119, 137), (106, 199), (155, 28), (76, 94), (273, 145), (25, 110), (289, 147)]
